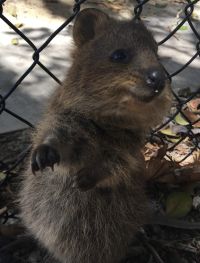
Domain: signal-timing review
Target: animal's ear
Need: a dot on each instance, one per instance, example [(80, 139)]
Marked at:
[(88, 23)]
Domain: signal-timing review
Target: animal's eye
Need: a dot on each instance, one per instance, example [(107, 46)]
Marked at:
[(120, 55)]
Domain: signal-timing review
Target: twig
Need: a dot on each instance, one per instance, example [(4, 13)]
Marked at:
[(176, 244), (181, 175), (154, 253), (174, 223), (151, 248), (186, 248)]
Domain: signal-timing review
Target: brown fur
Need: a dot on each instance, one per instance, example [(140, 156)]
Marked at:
[(89, 208)]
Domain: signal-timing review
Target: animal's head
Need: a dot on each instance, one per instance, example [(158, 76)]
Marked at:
[(118, 70)]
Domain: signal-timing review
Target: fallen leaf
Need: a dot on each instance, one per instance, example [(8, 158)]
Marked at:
[(166, 170), (178, 204), (180, 119), (150, 150), (194, 105), (196, 130), (183, 28), (19, 25), (174, 140), (156, 169), (2, 176), (195, 16), (15, 41), (12, 10), (194, 118), (162, 152), (168, 131)]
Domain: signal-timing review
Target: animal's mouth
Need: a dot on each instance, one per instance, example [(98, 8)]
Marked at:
[(148, 98), (145, 94)]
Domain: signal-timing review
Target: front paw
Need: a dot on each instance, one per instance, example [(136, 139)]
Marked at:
[(44, 156), (84, 180)]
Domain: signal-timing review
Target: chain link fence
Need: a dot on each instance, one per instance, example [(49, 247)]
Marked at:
[(190, 133)]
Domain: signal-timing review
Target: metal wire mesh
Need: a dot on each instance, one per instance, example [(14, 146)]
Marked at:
[(181, 103)]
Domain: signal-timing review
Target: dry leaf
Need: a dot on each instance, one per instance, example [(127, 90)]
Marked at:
[(179, 175), (194, 105), (194, 118), (12, 10), (178, 204), (156, 164), (195, 15), (19, 25), (15, 41)]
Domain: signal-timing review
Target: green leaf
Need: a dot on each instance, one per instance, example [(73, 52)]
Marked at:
[(168, 131), (183, 28), (15, 41), (181, 120), (174, 140), (178, 204), (2, 176)]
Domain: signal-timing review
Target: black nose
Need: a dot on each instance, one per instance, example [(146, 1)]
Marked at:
[(156, 80)]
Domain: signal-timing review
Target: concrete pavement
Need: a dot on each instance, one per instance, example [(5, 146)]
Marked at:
[(30, 97)]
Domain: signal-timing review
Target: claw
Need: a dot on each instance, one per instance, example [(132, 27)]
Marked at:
[(44, 156), (34, 167), (52, 167)]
